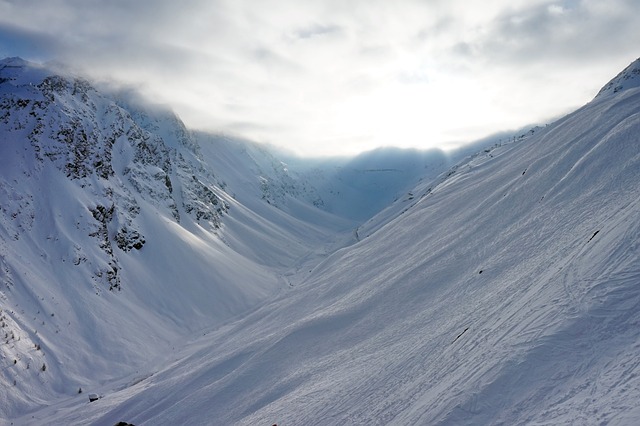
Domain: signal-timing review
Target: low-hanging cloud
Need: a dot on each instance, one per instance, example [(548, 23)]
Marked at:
[(332, 76)]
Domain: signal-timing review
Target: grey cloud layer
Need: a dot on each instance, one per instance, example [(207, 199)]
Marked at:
[(283, 70)]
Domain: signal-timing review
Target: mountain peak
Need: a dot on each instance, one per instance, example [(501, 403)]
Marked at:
[(20, 71), (13, 61), (627, 79)]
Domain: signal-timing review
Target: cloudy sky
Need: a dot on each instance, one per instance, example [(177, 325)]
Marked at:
[(339, 76)]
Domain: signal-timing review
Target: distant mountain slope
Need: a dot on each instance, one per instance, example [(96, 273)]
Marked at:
[(362, 186), (508, 294)]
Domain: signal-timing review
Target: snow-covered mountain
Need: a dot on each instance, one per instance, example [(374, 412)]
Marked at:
[(121, 231), (628, 78), (193, 279)]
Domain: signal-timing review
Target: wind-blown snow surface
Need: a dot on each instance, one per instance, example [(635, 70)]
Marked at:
[(507, 291)]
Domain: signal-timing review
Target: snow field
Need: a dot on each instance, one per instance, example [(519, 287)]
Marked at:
[(504, 292)]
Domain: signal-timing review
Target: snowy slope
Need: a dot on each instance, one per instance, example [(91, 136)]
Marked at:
[(508, 294), (503, 291), (627, 79), (435, 174), (117, 237), (102, 227), (122, 233)]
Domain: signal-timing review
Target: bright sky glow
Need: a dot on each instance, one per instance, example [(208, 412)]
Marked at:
[(336, 77)]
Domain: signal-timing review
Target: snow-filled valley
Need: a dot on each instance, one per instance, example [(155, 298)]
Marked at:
[(187, 278)]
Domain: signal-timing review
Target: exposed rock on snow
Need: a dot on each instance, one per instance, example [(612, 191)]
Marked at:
[(627, 79)]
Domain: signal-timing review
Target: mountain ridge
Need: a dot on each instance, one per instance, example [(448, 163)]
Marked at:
[(628, 78)]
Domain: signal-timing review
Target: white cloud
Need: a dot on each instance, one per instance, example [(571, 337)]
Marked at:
[(329, 76)]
